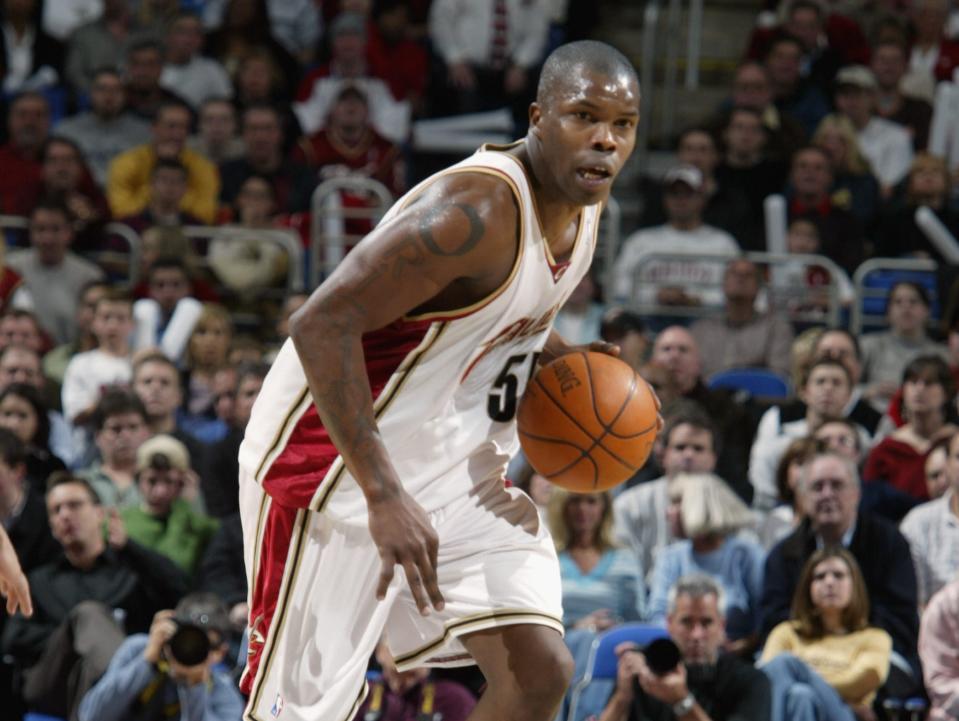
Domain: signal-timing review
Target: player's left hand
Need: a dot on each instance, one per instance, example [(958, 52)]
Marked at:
[(601, 346)]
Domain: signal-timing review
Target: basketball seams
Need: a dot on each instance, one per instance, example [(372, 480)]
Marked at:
[(583, 455)]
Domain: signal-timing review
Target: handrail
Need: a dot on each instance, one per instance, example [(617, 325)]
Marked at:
[(328, 246), (918, 265), (287, 240)]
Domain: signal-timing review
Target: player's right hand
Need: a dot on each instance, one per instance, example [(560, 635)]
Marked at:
[(402, 532)]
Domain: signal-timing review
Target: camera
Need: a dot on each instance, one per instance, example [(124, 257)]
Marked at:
[(662, 656), (189, 645)]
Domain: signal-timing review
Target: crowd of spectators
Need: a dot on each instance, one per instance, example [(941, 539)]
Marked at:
[(801, 552)]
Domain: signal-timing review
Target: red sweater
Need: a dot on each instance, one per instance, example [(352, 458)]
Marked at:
[(900, 465)]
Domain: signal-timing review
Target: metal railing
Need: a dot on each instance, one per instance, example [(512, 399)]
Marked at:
[(329, 236)]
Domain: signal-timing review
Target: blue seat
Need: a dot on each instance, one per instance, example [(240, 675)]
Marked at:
[(602, 662), (877, 284), (33, 716), (755, 381)]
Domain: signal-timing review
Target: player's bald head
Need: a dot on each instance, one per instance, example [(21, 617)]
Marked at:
[(567, 63)]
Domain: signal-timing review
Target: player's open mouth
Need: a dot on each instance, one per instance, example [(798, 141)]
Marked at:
[(593, 176)]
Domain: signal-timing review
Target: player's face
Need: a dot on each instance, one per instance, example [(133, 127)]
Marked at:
[(587, 130)]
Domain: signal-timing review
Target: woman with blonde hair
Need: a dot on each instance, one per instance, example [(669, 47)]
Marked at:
[(602, 585), (707, 517), (206, 353), (928, 185), (827, 662), (854, 185)]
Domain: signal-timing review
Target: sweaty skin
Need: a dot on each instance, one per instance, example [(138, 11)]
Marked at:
[(451, 247)]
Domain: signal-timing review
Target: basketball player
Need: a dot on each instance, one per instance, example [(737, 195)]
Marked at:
[(382, 432)]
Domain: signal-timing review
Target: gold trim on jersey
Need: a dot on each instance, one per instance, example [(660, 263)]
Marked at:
[(383, 401), (497, 292), (281, 431), (303, 521), (477, 622), (265, 502)]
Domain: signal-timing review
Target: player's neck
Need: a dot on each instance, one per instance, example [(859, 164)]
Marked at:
[(556, 213)]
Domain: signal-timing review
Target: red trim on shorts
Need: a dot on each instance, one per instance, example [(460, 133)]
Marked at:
[(274, 551), (295, 475)]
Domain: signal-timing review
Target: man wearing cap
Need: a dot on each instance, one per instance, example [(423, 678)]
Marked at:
[(685, 279), (164, 520), (885, 144), (145, 680)]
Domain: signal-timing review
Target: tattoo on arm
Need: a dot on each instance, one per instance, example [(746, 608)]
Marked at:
[(477, 228)]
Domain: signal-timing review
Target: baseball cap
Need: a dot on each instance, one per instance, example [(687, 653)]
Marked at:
[(163, 452), (688, 174), (857, 76)]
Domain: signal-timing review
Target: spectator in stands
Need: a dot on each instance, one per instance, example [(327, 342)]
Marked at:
[(55, 362), (886, 145), (886, 354), (627, 330), (929, 185), (932, 530), (747, 168), (169, 184), (120, 427), (705, 517), (933, 56), (684, 235), (106, 129), (128, 188), (28, 126), (99, 43), (839, 344), (743, 336), (65, 176), (53, 274), (840, 233), (166, 317), (109, 364), (489, 52), (13, 294), (246, 30), (68, 641), (825, 391), (793, 95), (349, 145), (219, 481), (827, 661), (164, 520), (581, 316), (842, 436), (676, 350), (889, 63), (687, 444), (938, 639), (400, 58), (156, 380), (207, 349), (895, 469), (186, 72), (216, 136), (854, 187), (144, 676), (263, 138), (23, 412), (706, 684), (602, 585), (143, 67), (830, 489), (222, 571), (31, 58), (937, 479), (787, 515), (294, 23), (19, 326)]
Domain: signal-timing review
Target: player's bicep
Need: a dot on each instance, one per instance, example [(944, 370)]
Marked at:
[(411, 259)]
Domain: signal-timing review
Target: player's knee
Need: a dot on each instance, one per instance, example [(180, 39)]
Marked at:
[(543, 683)]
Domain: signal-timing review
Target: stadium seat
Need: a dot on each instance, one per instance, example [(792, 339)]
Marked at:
[(602, 661), (760, 382), (31, 716)]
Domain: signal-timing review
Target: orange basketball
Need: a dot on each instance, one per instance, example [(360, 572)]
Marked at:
[(587, 422)]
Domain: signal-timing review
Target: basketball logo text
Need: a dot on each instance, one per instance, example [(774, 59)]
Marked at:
[(566, 377)]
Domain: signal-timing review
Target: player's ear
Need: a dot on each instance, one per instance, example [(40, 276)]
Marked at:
[(535, 116)]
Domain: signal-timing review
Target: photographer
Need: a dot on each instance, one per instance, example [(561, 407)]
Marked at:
[(703, 684), (169, 673)]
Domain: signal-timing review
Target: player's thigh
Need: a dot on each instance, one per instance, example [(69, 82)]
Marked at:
[(522, 658)]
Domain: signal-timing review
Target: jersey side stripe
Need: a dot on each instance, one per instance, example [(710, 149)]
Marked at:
[(284, 429), (383, 401)]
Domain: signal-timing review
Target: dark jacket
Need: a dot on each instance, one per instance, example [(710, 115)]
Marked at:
[(222, 571), (886, 564)]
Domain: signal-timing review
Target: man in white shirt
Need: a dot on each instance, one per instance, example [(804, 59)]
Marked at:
[(676, 281), (187, 73), (885, 144)]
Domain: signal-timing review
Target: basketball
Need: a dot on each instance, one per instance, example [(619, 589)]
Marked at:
[(587, 422)]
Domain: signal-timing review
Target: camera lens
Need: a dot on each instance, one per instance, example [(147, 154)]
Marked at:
[(662, 656), (189, 645)]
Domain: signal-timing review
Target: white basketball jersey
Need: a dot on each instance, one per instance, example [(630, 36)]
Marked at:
[(445, 385)]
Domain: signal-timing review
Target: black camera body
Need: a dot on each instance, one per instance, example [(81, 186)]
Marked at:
[(662, 656), (189, 645)]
